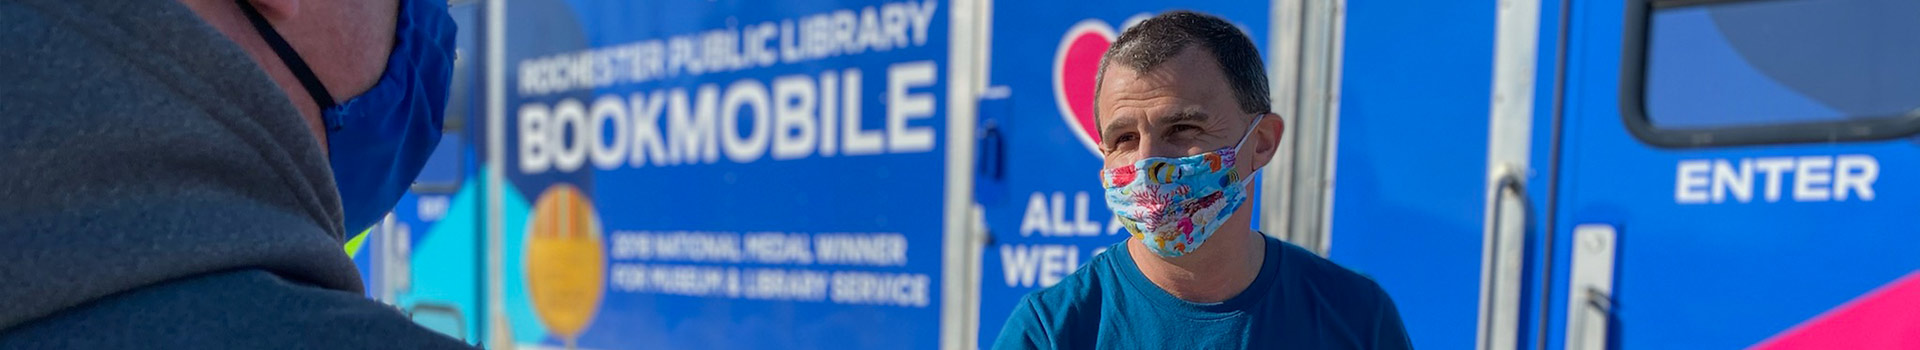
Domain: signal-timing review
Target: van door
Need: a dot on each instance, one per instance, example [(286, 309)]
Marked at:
[(1739, 173)]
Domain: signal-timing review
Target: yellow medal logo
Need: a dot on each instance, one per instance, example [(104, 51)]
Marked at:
[(566, 264)]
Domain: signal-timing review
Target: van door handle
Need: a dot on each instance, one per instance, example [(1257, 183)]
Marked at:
[(1503, 246), (431, 310), (1590, 303), (992, 155)]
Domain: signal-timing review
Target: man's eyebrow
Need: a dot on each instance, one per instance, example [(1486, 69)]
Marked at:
[(1185, 115), (1190, 115), (1118, 125)]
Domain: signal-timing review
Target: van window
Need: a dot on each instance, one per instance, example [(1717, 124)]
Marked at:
[(1769, 71)]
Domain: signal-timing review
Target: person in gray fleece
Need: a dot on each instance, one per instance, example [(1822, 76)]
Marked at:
[(177, 174)]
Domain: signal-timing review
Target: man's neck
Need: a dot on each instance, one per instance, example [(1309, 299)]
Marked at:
[(1218, 270)]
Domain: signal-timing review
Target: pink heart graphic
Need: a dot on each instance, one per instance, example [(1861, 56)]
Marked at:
[(1075, 66)]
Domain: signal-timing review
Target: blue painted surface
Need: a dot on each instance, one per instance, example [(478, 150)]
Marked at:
[(1411, 158)]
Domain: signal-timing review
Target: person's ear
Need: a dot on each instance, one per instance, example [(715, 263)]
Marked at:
[(1266, 138), (277, 10)]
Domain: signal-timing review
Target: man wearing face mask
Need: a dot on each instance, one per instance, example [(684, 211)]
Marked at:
[(180, 174), (1181, 101)]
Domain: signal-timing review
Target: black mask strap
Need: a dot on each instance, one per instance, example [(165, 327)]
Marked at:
[(288, 56)]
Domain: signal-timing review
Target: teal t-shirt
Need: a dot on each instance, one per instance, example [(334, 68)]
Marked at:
[(1299, 301)]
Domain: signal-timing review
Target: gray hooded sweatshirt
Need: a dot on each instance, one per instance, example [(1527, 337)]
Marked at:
[(157, 190)]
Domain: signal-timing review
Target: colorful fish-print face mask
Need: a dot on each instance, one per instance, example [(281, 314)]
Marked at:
[(1174, 204)]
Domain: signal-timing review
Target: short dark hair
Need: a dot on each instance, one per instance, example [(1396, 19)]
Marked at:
[(1158, 39)]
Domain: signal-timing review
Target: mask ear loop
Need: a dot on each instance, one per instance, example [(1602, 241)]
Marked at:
[(1243, 142), (1249, 133), (288, 56)]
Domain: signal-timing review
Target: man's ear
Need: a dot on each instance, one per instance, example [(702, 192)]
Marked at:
[(1266, 138), (277, 10)]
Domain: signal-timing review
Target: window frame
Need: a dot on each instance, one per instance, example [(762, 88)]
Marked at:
[(452, 126), (1633, 111)]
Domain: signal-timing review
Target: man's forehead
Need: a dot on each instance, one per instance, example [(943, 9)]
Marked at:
[(1184, 85)]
